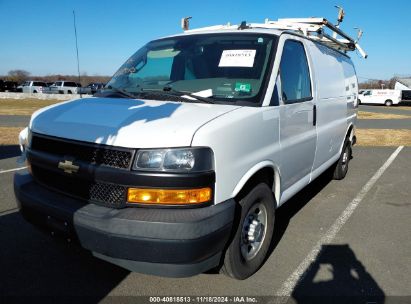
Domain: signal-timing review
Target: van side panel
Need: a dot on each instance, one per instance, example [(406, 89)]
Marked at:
[(330, 100)]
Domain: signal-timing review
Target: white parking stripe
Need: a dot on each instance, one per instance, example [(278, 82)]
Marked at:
[(12, 170), (10, 211), (289, 285)]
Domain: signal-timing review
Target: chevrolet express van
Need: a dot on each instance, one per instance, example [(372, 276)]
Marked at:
[(178, 165)]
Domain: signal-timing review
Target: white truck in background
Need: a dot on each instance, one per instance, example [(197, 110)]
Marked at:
[(63, 87), (34, 87), (383, 97)]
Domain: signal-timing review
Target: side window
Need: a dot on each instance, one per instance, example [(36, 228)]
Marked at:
[(294, 73)]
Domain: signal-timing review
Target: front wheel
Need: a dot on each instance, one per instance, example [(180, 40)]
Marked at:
[(341, 168), (249, 246), (388, 103)]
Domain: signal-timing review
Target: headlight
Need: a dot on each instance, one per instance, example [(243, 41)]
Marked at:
[(25, 139), (174, 160)]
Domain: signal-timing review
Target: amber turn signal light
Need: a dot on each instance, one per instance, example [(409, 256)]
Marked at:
[(168, 196)]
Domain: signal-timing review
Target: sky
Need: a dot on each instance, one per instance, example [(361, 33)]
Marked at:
[(38, 36)]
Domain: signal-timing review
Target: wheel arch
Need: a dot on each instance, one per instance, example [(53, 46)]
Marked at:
[(348, 134), (265, 171)]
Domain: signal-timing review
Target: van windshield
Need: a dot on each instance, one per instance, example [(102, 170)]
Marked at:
[(224, 68)]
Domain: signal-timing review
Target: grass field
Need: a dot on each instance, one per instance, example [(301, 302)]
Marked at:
[(372, 115), (23, 106), (383, 137), (9, 135)]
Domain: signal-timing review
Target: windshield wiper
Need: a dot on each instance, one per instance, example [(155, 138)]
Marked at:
[(122, 92), (186, 95)]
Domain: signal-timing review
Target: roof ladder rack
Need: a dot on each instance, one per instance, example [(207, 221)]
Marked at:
[(316, 29)]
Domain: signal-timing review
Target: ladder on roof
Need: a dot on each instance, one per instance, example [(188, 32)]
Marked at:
[(316, 29)]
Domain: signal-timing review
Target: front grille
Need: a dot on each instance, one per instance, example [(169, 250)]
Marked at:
[(109, 195), (94, 154)]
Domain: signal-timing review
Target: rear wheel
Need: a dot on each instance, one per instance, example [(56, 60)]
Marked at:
[(69, 92), (388, 102), (341, 168), (252, 238)]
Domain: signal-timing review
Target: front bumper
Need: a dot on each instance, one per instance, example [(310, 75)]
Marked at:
[(167, 242)]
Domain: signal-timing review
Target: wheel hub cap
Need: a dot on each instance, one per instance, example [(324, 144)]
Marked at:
[(253, 232)]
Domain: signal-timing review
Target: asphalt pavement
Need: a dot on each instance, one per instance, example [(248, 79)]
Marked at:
[(14, 120)]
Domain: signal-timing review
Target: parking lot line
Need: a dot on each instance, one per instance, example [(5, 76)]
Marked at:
[(289, 285), (10, 211), (12, 170)]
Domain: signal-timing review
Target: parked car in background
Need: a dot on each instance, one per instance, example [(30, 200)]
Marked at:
[(1, 85), (10, 86), (33, 87), (92, 88), (384, 97), (63, 87), (20, 88)]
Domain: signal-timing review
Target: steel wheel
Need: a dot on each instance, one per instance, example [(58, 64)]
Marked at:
[(254, 231)]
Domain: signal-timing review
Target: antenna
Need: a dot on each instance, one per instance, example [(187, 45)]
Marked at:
[(341, 14), (185, 23), (78, 61)]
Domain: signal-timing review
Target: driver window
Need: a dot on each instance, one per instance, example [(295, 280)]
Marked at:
[(294, 73)]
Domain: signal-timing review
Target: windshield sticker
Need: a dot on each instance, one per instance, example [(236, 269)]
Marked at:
[(242, 87), (237, 58)]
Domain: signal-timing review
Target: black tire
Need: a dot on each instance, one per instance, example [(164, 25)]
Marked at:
[(69, 92), (34, 92), (259, 200), (341, 167), (388, 103), (359, 101)]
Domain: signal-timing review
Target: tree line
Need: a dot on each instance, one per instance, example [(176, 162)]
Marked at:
[(20, 76)]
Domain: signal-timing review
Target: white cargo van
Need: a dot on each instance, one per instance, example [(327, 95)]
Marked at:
[(383, 97), (179, 164)]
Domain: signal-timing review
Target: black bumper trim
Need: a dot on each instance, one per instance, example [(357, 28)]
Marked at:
[(143, 235), (164, 270)]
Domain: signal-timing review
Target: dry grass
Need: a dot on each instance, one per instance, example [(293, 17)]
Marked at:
[(9, 135), (23, 106), (383, 137), (371, 115)]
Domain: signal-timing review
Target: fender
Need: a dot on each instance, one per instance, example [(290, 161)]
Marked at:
[(264, 164), (349, 133)]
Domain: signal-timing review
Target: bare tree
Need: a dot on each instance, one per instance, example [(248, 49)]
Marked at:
[(18, 75)]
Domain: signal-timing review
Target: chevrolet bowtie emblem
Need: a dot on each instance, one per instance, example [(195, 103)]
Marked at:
[(68, 167)]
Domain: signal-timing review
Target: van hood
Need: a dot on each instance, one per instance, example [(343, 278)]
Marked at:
[(131, 123)]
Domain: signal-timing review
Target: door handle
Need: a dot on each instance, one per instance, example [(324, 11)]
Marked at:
[(314, 115)]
